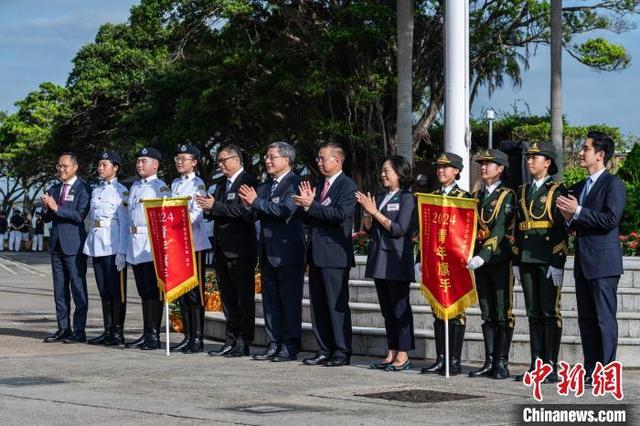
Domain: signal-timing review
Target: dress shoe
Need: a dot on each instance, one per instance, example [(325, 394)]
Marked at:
[(76, 337), (379, 365), (58, 336), (267, 355), (318, 359), (436, 367), (336, 362), (222, 351), (405, 366), (138, 342), (284, 356), (239, 350)]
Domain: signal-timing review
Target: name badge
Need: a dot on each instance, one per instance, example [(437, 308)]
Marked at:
[(393, 207), (68, 198), (275, 199), (231, 196), (326, 202)]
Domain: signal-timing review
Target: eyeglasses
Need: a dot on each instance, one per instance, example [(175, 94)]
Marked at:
[(224, 160), (271, 157), (323, 159), (63, 166), (179, 160)]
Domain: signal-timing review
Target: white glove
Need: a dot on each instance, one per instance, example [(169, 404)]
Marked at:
[(516, 273), (556, 275), (417, 268), (475, 263), (120, 261)]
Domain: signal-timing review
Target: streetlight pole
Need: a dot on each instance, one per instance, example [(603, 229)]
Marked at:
[(490, 114)]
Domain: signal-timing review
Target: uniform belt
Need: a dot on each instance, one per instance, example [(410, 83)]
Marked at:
[(535, 224), (138, 229), (103, 223)]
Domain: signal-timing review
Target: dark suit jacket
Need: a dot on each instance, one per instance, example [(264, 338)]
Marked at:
[(390, 252), (330, 243), (68, 222), (234, 229), (598, 251), (281, 227)]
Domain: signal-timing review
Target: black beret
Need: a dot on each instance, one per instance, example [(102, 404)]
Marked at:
[(188, 149), (149, 152), (112, 156)]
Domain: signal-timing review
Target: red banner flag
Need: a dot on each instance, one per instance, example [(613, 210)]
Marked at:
[(447, 238), (171, 240)]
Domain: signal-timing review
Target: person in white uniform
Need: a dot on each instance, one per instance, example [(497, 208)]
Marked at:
[(192, 303), (139, 247), (106, 243)]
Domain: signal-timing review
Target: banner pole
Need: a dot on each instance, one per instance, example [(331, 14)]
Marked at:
[(446, 348), (166, 320)]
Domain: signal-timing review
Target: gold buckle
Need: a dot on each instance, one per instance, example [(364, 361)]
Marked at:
[(96, 223), (134, 230)]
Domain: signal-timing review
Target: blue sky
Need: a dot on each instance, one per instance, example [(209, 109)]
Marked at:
[(39, 38)]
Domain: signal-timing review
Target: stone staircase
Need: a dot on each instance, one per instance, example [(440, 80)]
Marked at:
[(369, 334)]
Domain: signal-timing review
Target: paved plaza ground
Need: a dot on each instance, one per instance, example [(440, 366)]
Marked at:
[(82, 384)]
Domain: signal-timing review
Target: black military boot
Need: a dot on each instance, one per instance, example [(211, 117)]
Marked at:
[(196, 344), (438, 332), (185, 313), (552, 336), (153, 337), (501, 370), (456, 340), (146, 321), (488, 333), (107, 319), (119, 313), (536, 345)]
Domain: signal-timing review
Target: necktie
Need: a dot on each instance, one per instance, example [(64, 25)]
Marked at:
[(585, 191), (274, 185), (226, 191), (325, 190), (63, 193)]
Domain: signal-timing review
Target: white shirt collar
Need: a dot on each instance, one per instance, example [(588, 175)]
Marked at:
[(594, 177), (387, 197), (71, 181), (149, 179), (189, 176), (235, 175), (279, 179), (492, 188), (333, 178), (448, 189), (538, 183), (109, 182)]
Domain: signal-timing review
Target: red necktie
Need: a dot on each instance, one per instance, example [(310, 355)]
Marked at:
[(323, 195), (63, 193)]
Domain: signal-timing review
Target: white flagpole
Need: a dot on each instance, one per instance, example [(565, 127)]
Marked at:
[(446, 348), (167, 321)]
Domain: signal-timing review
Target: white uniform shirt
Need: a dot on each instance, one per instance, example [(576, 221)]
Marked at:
[(109, 220), (139, 248), (191, 185)]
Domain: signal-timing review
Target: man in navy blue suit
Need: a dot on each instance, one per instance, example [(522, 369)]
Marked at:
[(67, 204), (329, 209), (281, 250), (593, 210)]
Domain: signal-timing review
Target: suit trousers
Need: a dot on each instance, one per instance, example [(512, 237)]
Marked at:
[(597, 306), (70, 281), (237, 290), (330, 312), (282, 299), (146, 281), (396, 310), (112, 284)]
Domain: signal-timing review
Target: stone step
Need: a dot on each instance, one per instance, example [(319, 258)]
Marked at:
[(365, 291), (369, 315), (372, 341)]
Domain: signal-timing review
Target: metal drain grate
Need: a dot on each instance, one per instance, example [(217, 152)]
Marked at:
[(264, 409), (418, 396), (30, 381)]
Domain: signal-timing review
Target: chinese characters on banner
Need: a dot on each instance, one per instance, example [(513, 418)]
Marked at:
[(447, 238), (172, 245)]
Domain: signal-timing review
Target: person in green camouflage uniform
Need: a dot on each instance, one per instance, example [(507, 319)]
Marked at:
[(492, 264), (449, 166), (540, 251)]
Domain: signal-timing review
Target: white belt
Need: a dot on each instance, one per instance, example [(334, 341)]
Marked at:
[(138, 229)]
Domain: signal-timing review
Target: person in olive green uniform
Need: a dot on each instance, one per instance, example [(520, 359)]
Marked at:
[(492, 264), (448, 166), (540, 252)]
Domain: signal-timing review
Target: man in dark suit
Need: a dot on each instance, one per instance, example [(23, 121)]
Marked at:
[(281, 252), (235, 251), (329, 209), (67, 204), (595, 216)]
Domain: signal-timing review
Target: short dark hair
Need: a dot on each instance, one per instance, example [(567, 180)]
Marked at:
[(234, 149), (71, 155), (402, 167), (602, 143), (334, 146)]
